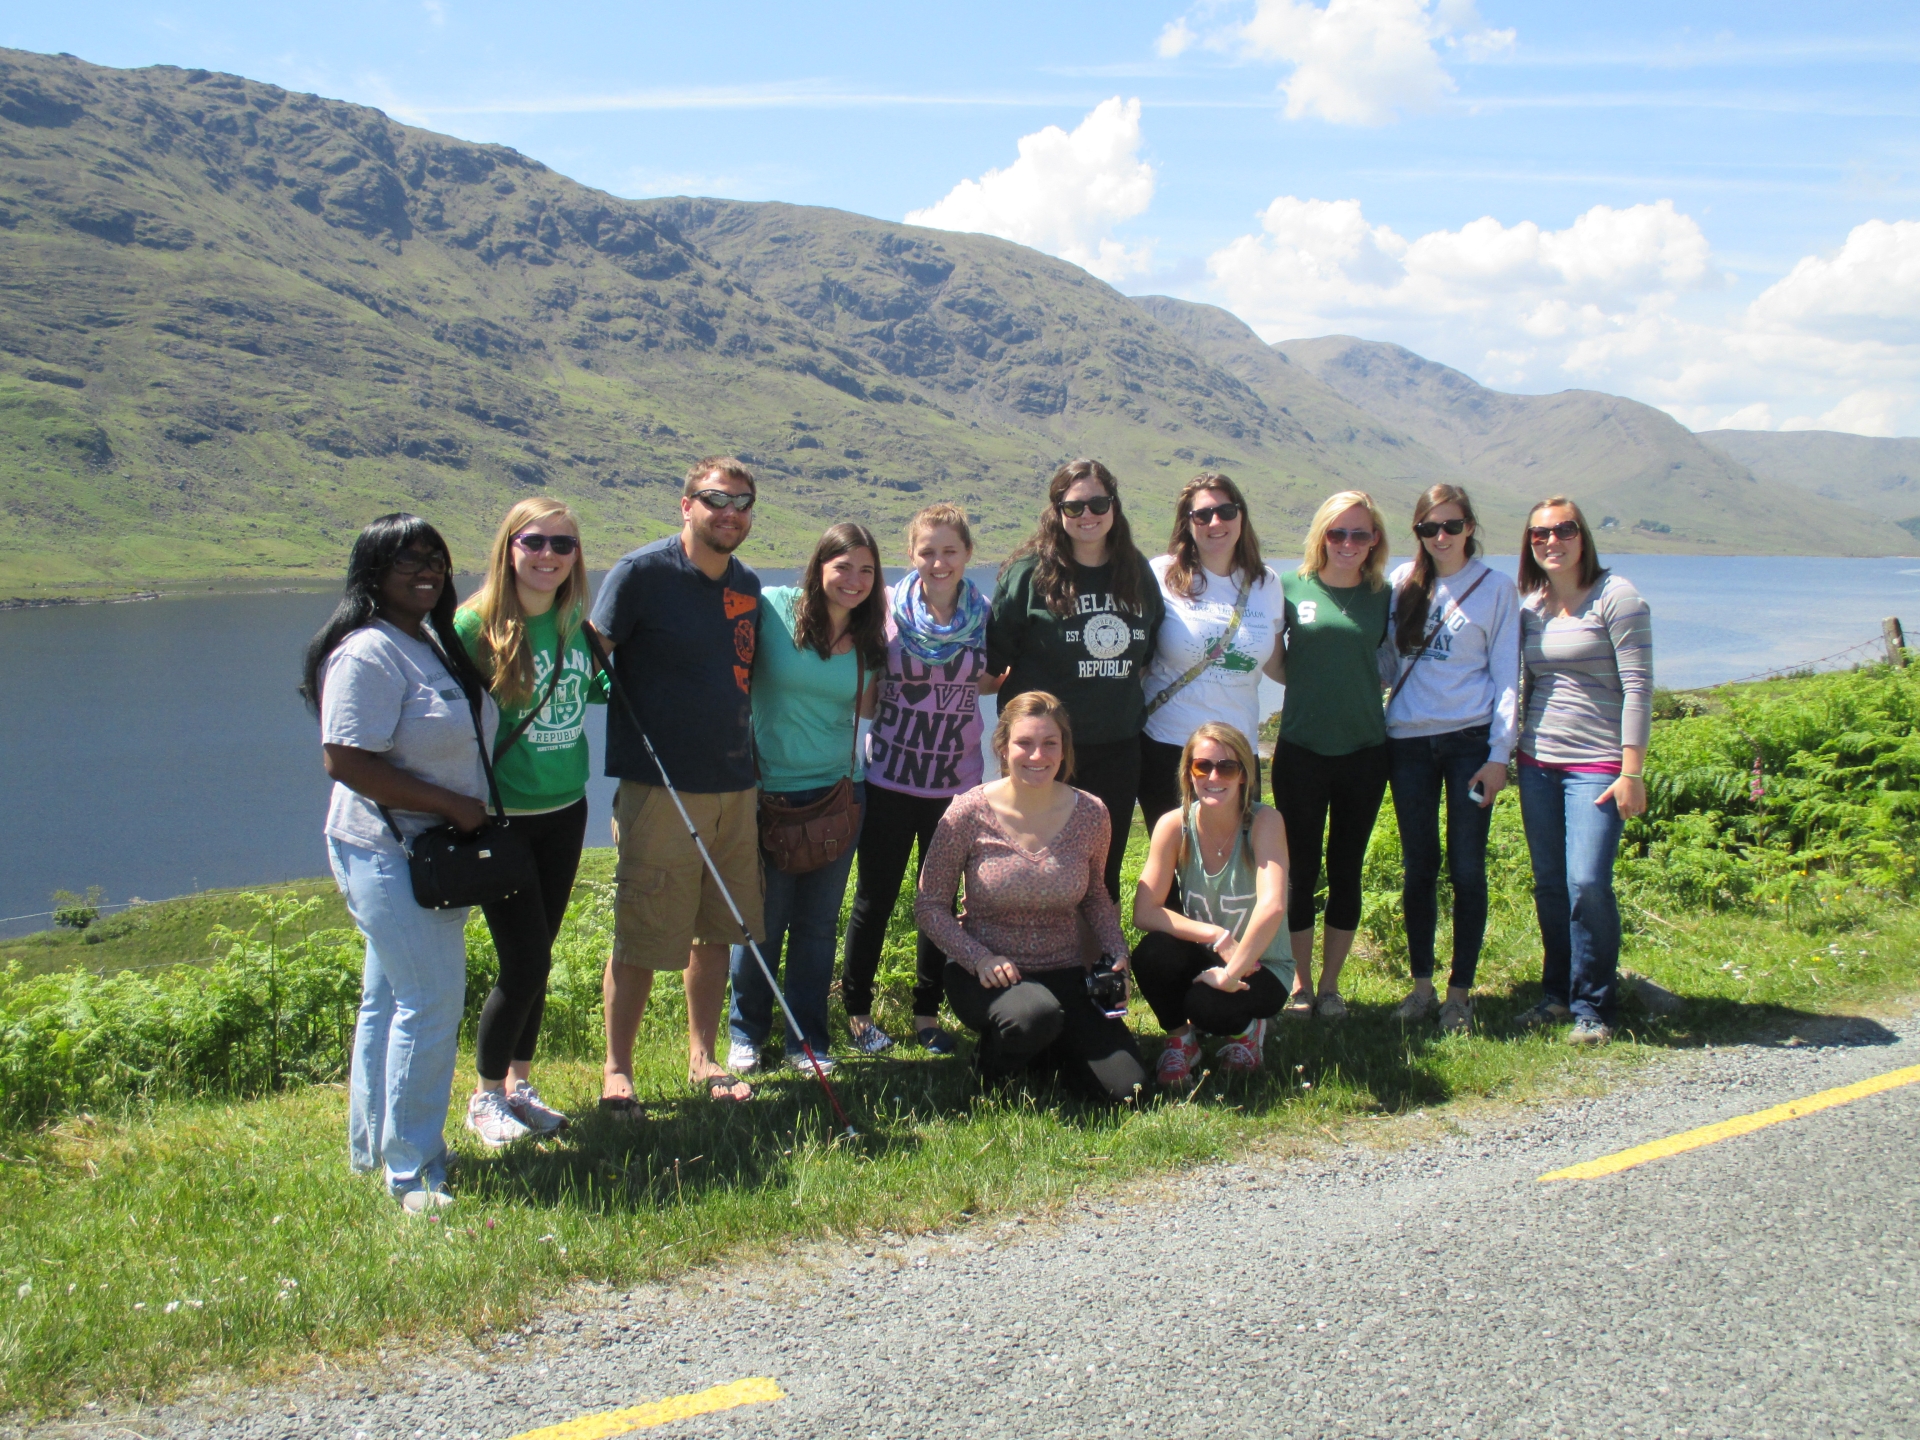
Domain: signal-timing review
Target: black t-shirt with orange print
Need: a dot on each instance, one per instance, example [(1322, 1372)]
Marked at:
[(683, 652)]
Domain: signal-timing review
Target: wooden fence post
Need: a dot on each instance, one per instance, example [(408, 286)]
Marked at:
[(1896, 642)]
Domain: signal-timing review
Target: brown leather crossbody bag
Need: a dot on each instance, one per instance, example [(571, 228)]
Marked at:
[(800, 839)]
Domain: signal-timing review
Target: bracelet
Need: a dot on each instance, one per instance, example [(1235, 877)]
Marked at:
[(1625, 776)]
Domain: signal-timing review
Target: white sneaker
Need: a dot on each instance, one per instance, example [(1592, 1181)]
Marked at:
[(425, 1201), (743, 1058), (798, 1060), (534, 1113), (492, 1119)]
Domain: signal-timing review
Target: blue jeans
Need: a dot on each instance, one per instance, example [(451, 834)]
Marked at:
[(803, 919), (1420, 767), (1573, 843), (411, 994)]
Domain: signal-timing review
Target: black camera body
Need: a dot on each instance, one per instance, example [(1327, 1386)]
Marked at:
[(1107, 988)]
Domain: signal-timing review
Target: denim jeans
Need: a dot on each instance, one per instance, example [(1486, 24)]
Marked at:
[(1420, 767), (412, 991), (803, 919), (1573, 842)]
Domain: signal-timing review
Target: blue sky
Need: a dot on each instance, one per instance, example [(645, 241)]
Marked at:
[(1711, 207)]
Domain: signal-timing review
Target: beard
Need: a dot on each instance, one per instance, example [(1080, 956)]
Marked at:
[(717, 541)]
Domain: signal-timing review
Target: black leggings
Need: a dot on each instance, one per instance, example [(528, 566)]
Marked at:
[(1111, 772), (893, 823), (524, 926), (1047, 1017), (1167, 969), (1309, 790)]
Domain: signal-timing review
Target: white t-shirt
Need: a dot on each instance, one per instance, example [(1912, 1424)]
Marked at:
[(384, 691), (1229, 688)]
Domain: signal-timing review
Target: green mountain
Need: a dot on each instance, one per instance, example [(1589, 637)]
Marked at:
[(1880, 476), (1626, 462), (236, 322)]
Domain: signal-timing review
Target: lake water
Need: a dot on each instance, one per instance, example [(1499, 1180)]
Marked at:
[(158, 748)]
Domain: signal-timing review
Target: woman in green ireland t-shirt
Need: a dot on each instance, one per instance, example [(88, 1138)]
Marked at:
[(1330, 767), (523, 630)]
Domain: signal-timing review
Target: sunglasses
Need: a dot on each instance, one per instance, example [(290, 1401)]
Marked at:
[(413, 562), (1225, 769), (1207, 514), (722, 500), (1565, 530), (1343, 537), (1427, 529), (1074, 509), (535, 542)]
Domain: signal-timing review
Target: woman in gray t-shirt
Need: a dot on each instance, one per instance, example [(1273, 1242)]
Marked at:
[(1586, 645), (397, 696)]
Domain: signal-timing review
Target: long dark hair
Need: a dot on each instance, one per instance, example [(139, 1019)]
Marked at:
[(867, 624), (1416, 591), (367, 567), (1054, 579), (1185, 551), (1531, 577)]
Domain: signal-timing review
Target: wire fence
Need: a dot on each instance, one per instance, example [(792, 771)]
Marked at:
[(1859, 654)]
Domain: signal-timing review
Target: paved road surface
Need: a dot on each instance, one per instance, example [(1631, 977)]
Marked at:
[(1764, 1286)]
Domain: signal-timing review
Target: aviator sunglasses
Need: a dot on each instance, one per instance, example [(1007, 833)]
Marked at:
[(1074, 509), (535, 542), (1207, 514), (1225, 769), (1427, 529), (1565, 530), (1342, 537), (721, 500)]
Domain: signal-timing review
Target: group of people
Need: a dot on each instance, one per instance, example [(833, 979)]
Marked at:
[(799, 728)]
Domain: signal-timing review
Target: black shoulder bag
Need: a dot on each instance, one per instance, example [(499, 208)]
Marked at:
[(450, 870)]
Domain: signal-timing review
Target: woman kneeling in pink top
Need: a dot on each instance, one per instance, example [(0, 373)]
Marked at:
[(1033, 852)]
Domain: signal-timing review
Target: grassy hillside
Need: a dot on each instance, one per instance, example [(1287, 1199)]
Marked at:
[(1663, 489), (236, 322), (1880, 476)]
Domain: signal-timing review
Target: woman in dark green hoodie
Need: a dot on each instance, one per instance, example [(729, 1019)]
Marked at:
[(1075, 614)]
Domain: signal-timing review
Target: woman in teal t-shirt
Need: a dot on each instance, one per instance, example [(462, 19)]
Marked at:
[(523, 630), (822, 643), (1330, 766)]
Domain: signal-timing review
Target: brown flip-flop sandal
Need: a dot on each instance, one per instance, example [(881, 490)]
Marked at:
[(622, 1107), (719, 1088)]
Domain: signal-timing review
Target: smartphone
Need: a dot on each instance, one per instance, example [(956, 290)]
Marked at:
[(1477, 795)]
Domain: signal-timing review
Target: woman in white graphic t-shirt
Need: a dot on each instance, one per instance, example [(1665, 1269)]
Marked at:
[(1205, 665)]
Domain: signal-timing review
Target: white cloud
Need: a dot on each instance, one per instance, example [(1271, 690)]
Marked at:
[(1628, 300), (1355, 62), (1064, 194), (436, 10), (1176, 39)]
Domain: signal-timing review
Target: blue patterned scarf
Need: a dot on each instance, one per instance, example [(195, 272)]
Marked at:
[(925, 638)]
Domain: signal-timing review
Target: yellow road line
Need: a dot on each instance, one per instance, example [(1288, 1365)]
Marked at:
[(659, 1412), (1740, 1125)]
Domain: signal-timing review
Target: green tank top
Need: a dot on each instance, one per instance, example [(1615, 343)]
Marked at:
[(1226, 896)]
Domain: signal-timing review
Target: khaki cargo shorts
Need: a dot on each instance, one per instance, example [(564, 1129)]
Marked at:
[(664, 900)]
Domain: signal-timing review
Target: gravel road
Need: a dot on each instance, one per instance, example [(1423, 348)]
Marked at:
[(1763, 1286)]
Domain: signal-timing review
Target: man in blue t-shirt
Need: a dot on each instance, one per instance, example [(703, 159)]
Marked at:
[(681, 615)]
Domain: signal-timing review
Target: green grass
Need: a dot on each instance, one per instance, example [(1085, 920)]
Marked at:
[(241, 1216)]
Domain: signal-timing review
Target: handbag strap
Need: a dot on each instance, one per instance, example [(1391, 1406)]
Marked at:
[(1452, 605), (1218, 649), (533, 714), (479, 735)]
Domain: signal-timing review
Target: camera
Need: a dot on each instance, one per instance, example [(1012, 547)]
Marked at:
[(1107, 988)]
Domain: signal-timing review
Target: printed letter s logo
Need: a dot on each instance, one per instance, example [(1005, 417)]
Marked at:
[(1308, 609)]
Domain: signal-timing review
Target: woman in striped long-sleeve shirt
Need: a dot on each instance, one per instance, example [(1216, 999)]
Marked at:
[(1587, 652)]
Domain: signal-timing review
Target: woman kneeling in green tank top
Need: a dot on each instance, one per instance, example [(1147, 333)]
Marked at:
[(1221, 962)]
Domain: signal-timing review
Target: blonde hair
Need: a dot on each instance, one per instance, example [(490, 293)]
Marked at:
[(505, 657), (1375, 566), (1220, 733), (1025, 706), (932, 518)]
